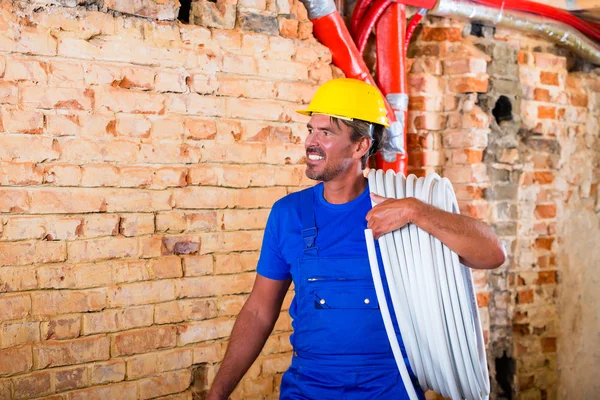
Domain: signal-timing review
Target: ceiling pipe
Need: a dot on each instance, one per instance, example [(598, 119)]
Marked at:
[(558, 33)]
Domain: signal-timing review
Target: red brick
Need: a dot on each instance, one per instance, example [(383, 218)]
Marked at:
[(200, 129), (548, 345), (546, 277), (102, 249), (469, 84), (36, 41), (19, 333), (16, 306), (67, 352), (579, 99), (435, 34), (9, 93), (545, 211), (62, 73), (133, 126), (288, 28), (164, 384), (231, 305), (477, 211), (284, 70), (170, 177), (525, 297), (246, 87), (129, 101), (24, 253), (5, 384), (167, 128), (51, 303), (154, 363), (197, 265), (60, 200), (107, 372), (136, 78), (95, 225), (20, 174), (546, 112), (63, 327), (233, 220), (16, 359), (549, 61), (71, 378), (33, 385), (204, 197), (235, 262), (22, 121), (549, 78), (126, 390), (62, 98), (137, 224), (136, 177), (99, 175), (141, 293), (143, 340), (540, 94), (544, 243), (204, 330), (207, 286), (276, 364), (204, 84), (461, 66), (26, 70), (166, 267), (208, 352), (116, 320), (423, 83), (27, 149), (171, 81)]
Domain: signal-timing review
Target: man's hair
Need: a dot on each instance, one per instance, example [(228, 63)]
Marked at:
[(362, 129)]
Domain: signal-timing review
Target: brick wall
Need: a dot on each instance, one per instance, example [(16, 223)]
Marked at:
[(517, 133), (139, 158)]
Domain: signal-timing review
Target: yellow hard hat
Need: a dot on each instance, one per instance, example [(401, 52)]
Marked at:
[(349, 98)]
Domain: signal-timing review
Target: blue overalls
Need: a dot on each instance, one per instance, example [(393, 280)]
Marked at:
[(341, 350)]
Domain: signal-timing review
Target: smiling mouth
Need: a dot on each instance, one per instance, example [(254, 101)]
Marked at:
[(315, 157)]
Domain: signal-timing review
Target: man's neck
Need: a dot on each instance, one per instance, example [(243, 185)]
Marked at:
[(340, 192)]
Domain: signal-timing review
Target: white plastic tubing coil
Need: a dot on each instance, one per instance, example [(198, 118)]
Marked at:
[(432, 296)]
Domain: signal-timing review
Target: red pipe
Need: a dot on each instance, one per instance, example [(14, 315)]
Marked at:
[(331, 31), (590, 29), (360, 8), (391, 71), (410, 29), (370, 19)]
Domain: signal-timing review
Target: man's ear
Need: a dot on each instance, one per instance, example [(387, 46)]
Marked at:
[(364, 145)]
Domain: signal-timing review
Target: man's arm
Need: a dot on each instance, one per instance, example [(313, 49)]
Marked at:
[(472, 240), (252, 327)]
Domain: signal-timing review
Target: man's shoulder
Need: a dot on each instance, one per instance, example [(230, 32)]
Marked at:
[(293, 200)]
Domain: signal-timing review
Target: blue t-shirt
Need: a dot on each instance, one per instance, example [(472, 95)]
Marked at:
[(340, 231)]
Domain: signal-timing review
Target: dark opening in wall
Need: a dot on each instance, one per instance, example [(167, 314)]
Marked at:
[(184, 11), (502, 110), (477, 28), (505, 371)]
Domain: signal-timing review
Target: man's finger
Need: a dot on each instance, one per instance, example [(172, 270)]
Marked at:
[(377, 198)]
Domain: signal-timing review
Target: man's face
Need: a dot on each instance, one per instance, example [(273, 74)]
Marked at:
[(329, 149)]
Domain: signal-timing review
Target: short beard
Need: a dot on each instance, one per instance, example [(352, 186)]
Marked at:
[(325, 175)]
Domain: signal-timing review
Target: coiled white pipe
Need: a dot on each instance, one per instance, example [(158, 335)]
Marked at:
[(432, 296)]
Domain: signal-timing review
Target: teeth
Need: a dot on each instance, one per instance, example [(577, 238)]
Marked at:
[(315, 157)]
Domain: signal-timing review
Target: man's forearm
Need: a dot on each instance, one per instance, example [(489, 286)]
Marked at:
[(472, 240), (247, 339)]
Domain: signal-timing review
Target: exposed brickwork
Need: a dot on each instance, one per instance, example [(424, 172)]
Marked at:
[(516, 170), (139, 160), (138, 163)]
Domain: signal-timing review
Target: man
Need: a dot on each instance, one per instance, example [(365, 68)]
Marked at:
[(315, 238)]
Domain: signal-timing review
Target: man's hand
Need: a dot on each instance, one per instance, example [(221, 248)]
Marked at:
[(390, 214)]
